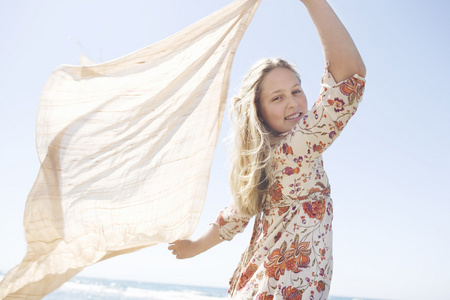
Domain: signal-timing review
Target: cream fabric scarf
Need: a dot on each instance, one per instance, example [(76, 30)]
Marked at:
[(126, 149)]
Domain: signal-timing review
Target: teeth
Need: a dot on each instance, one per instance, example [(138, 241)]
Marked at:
[(293, 116)]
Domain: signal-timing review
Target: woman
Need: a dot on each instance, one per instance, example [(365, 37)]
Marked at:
[(277, 170)]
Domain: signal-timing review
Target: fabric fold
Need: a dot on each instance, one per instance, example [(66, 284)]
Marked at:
[(126, 149)]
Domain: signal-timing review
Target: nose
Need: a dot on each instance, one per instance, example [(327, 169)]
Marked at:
[(291, 102)]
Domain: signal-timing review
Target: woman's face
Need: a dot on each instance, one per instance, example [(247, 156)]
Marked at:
[(282, 101)]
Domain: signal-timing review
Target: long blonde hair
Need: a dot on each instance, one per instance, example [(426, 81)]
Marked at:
[(251, 153)]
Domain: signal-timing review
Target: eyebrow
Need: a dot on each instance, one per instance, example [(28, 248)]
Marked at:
[(277, 91)]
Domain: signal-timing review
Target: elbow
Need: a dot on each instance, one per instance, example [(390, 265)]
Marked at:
[(348, 69), (361, 69)]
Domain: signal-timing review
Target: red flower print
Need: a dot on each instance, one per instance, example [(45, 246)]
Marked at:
[(221, 221), (339, 125), (319, 148), (320, 286), (275, 192), (315, 209), (298, 161), (298, 255), (282, 210), (286, 149), (278, 236), (329, 209), (264, 296), (246, 275), (313, 190), (266, 226), (289, 171), (353, 88), (322, 251), (338, 104), (291, 293), (277, 264)]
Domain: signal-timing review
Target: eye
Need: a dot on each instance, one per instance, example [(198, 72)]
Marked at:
[(296, 92), (276, 98)]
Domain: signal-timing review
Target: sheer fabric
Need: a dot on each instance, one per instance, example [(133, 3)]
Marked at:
[(125, 150)]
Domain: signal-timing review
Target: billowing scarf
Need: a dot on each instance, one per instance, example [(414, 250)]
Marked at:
[(126, 148)]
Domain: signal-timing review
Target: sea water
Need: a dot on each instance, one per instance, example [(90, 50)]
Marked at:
[(96, 289), (80, 288)]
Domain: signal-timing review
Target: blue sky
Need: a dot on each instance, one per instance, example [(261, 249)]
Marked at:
[(388, 170)]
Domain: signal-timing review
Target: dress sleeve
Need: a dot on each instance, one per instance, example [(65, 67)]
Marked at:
[(231, 222), (337, 103)]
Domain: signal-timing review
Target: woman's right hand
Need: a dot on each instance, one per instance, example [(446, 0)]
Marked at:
[(184, 248), (189, 248)]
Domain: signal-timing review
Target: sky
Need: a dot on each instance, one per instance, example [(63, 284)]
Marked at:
[(388, 170)]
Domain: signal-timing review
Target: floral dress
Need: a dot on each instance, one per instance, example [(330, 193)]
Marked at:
[(289, 255)]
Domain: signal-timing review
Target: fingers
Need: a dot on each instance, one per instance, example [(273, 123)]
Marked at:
[(174, 252), (173, 247), (181, 249)]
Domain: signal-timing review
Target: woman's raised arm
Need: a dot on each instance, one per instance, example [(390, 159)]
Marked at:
[(339, 49)]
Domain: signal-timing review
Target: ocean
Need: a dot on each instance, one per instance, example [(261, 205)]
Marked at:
[(80, 288)]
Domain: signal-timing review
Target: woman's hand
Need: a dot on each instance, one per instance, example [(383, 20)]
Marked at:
[(189, 248), (184, 248)]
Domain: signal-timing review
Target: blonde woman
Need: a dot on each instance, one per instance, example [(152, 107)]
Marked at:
[(277, 170)]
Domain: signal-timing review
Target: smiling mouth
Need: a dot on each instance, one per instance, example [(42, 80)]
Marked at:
[(293, 116)]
